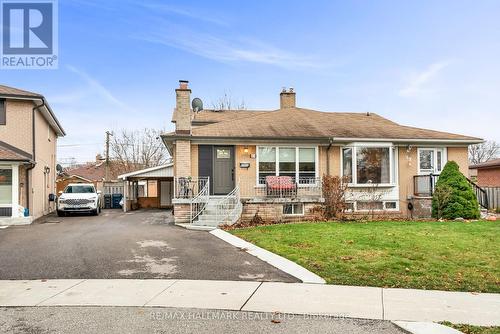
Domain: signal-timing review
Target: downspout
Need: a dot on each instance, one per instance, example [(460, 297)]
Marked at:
[(33, 155), (328, 155)]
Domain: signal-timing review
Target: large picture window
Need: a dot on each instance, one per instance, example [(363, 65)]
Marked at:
[(368, 165), (297, 162)]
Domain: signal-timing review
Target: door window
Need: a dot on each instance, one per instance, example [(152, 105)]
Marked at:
[(223, 153), (5, 186), (430, 160)]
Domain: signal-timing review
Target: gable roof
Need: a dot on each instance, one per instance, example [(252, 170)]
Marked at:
[(166, 170), (11, 153), (44, 107), (300, 123), (488, 164)]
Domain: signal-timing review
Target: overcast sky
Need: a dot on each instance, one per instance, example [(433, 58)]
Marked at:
[(432, 64)]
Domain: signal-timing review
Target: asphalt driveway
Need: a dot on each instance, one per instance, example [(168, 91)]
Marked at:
[(139, 244)]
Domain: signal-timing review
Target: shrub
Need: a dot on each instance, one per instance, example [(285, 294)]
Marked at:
[(461, 203), (334, 189)]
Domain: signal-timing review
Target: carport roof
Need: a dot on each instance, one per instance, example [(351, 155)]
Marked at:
[(166, 170)]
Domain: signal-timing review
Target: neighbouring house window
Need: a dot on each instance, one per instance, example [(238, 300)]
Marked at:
[(293, 209), (368, 165), (347, 163), (297, 162), (267, 163), (6, 186), (430, 160), (3, 112)]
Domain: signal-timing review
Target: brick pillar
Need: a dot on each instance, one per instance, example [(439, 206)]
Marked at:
[(182, 158)]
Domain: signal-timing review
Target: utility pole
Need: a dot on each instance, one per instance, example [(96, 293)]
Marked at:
[(106, 170)]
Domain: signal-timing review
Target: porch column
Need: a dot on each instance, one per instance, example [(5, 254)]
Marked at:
[(15, 191), (125, 193)]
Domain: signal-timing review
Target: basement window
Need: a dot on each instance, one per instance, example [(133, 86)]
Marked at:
[(296, 209)]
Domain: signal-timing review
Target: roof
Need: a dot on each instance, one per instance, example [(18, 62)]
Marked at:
[(11, 153), (300, 123), (166, 170), (96, 171), (214, 116), (488, 164), (46, 110)]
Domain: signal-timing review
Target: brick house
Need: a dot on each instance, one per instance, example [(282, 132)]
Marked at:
[(487, 173), (29, 131), (231, 164)]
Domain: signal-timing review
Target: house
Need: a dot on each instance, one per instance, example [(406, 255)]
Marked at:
[(93, 172), (29, 131), (231, 165), (487, 174)]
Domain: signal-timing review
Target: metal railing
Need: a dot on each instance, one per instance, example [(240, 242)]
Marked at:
[(424, 185), (228, 209), (199, 202), (307, 187), (189, 187), (481, 194)]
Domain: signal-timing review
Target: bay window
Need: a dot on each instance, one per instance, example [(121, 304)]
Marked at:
[(297, 162), (368, 165)]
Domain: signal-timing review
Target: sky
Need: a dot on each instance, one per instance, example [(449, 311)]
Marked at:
[(431, 64)]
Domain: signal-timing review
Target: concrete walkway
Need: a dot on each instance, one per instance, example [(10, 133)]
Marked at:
[(297, 298)]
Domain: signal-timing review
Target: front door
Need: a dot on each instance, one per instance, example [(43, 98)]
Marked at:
[(223, 169)]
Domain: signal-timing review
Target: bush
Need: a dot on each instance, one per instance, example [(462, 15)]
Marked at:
[(461, 203)]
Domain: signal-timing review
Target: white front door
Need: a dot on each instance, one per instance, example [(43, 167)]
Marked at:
[(430, 160)]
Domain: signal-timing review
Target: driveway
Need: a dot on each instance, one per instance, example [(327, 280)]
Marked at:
[(139, 244)]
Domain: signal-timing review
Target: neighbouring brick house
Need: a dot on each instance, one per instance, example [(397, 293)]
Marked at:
[(487, 173), (231, 164), (29, 131)]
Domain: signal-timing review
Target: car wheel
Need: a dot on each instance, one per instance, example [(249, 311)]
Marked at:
[(95, 212), (61, 213)]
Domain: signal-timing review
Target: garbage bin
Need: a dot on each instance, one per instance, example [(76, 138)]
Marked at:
[(108, 201), (116, 201)]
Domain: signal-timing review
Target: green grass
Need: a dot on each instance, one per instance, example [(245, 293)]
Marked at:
[(456, 256), (469, 329)]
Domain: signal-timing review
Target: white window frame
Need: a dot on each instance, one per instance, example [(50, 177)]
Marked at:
[(296, 147), (384, 208), (301, 213), (15, 189), (435, 149), (393, 170)]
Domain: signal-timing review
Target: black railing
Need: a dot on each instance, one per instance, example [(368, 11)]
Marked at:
[(481, 195), (424, 186)]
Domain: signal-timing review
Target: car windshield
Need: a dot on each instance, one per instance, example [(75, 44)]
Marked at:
[(79, 189)]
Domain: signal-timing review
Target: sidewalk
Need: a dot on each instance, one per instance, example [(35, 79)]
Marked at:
[(297, 298)]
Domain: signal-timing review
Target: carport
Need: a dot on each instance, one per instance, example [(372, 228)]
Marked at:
[(148, 188)]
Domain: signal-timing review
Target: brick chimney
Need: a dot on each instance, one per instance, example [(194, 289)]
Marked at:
[(287, 98), (183, 108)]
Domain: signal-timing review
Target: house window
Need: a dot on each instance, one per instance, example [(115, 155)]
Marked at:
[(3, 112), (293, 209), (368, 165), (267, 163), (297, 162), (6, 186), (430, 160), (347, 163)]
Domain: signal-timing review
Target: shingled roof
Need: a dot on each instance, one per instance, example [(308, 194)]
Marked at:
[(290, 123), (11, 153), (11, 91), (488, 164)]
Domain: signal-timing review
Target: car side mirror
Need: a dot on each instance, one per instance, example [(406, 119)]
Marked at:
[(99, 192)]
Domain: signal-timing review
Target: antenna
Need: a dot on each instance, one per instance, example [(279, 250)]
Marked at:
[(197, 104)]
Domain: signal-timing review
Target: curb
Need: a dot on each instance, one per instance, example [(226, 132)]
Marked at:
[(414, 327), (275, 260)]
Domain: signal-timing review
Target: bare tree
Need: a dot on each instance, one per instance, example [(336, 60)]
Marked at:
[(483, 152), (334, 190), (226, 102), (138, 149)]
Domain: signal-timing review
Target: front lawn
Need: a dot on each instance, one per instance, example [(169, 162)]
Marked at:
[(460, 256)]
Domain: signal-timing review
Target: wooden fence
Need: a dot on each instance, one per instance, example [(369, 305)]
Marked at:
[(493, 197)]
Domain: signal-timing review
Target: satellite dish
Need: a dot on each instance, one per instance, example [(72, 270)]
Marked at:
[(59, 168), (197, 104)]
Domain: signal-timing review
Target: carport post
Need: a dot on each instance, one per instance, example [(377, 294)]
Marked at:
[(125, 192)]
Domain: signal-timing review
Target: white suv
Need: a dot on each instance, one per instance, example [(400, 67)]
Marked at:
[(79, 197)]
